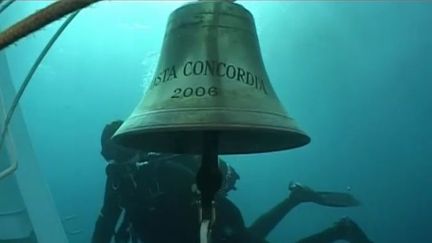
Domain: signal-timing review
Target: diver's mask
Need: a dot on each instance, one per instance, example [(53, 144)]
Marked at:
[(230, 177)]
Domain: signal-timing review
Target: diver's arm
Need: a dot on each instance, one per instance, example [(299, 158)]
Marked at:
[(268, 221), (108, 217)]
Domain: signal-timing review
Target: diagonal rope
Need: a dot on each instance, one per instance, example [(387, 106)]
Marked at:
[(40, 19)]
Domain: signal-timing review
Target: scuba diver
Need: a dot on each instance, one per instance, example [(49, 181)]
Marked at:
[(153, 199), (159, 198)]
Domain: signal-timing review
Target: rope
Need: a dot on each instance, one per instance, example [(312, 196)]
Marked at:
[(40, 19)]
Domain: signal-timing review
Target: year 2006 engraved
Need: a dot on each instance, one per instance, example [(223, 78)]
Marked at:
[(197, 92)]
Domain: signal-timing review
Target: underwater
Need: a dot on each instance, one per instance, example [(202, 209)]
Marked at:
[(215, 121)]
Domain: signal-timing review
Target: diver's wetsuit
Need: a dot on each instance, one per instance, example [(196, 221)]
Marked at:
[(161, 206)]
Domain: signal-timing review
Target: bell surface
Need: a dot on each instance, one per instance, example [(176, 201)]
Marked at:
[(210, 77)]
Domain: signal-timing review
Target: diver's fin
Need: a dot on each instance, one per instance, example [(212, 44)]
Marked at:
[(336, 199)]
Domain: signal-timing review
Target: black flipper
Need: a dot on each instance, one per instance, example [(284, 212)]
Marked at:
[(303, 193), (336, 199)]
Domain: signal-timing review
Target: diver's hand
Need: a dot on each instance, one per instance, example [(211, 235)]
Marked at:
[(300, 193)]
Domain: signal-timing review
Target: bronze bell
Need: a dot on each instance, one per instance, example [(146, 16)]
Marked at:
[(210, 77)]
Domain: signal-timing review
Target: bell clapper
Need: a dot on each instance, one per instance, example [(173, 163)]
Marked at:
[(209, 181)]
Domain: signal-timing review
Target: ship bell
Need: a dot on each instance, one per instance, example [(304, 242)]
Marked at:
[(210, 77)]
